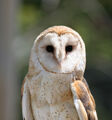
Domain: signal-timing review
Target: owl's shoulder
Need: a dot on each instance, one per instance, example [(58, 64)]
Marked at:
[(29, 76)]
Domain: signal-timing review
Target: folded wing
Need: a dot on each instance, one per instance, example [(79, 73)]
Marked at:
[(83, 100), (26, 102)]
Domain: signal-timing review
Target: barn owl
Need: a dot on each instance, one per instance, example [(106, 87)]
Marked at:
[(54, 87)]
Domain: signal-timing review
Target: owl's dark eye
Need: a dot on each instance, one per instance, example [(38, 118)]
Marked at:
[(69, 48), (50, 48)]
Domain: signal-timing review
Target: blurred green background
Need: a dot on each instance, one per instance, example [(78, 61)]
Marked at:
[(91, 18)]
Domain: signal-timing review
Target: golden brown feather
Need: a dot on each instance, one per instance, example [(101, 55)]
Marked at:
[(86, 98)]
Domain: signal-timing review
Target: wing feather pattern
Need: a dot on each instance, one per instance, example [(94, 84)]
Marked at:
[(83, 100), (26, 103)]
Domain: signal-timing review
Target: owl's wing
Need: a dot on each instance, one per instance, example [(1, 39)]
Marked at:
[(83, 100), (26, 103)]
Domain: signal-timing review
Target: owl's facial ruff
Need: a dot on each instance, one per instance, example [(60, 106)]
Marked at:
[(60, 53)]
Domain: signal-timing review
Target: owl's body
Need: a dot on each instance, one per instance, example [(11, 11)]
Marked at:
[(51, 97), (54, 88)]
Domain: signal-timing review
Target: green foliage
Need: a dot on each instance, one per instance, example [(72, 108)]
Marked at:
[(107, 5), (28, 16)]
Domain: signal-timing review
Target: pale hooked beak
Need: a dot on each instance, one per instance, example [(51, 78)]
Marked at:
[(60, 56)]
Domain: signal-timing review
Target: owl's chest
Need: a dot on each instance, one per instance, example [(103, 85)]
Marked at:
[(51, 97), (50, 88)]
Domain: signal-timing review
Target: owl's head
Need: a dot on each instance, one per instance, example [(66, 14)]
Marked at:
[(59, 49)]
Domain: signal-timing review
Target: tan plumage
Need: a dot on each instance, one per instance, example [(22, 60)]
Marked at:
[(54, 87), (85, 99)]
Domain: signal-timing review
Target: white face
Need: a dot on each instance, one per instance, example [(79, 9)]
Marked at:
[(61, 54)]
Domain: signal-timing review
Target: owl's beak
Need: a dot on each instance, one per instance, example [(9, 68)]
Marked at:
[(60, 56)]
